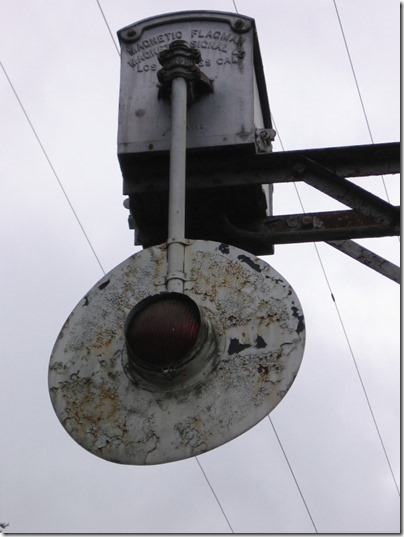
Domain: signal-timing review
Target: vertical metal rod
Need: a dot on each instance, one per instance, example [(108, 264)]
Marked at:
[(177, 188)]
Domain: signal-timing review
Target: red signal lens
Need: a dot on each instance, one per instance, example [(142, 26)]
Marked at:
[(161, 330)]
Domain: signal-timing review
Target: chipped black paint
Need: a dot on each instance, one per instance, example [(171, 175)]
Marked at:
[(300, 324), (260, 343), (235, 346), (248, 261), (224, 248), (103, 285)]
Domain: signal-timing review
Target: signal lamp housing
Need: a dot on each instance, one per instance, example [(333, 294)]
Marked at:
[(167, 339)]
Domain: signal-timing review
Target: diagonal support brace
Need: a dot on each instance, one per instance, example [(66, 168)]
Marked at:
[(345, 191), (368, 258)]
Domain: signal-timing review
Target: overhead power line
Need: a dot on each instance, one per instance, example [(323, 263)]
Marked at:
[(109, 28), (387, 196), (86, 236), (293, 474), (273, 426), (357, 87), (52, 168), (353, 72), (345, 333), (362, 383), (214, 494)]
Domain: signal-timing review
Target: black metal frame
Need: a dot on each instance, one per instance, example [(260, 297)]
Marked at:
[(324, 169)]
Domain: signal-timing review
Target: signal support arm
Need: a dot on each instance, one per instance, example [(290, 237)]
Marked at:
[(371, 216), (326, 169)]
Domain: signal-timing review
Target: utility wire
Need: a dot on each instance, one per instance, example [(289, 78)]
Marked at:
[(273, 427), (360, 379), (345, 333), (52, 167), (388, 199), (353, 72), (214, 494), (87, 239), (358, 88), (293, 474), (270, 420), (109, 29)]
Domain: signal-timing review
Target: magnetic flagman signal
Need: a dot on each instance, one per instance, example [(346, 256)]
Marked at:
[(188, 343)]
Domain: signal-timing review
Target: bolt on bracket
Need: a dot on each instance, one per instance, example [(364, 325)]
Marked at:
[(264, 139), (180, 60)]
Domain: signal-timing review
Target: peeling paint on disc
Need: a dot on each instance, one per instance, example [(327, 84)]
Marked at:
[(259, 328)]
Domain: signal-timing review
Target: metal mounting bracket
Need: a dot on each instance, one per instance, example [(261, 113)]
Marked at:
[(180, 60)]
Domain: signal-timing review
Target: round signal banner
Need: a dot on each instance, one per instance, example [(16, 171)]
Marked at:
[(244, 360)]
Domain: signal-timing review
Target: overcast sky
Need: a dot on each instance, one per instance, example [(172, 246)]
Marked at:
[(64, 66)]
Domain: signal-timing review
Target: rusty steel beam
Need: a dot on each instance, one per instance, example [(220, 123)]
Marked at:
[(308, 227), (368, 258), (236, 167), (350, 161), (332, 225)]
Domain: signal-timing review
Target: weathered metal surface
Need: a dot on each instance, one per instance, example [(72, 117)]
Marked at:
[(258, 347), (177, 192), (240, 169), (307, 227), (180, 60), (263, 139), (229, 59), (260, 238), (329, 225), (211, 221), (226, 47), (368, 258)]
